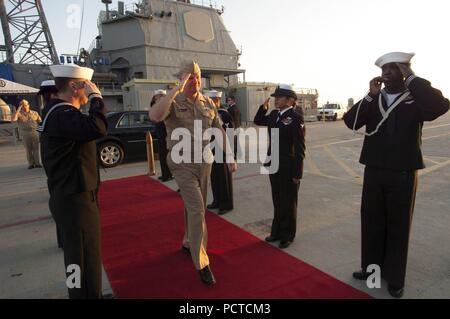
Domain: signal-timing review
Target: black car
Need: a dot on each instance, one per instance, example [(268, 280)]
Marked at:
[(126, 137)]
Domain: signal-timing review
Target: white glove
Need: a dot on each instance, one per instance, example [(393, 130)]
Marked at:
[(92, 90)]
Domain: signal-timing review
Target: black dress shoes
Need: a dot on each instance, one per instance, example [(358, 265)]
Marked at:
[(223, 211), (186, 249), (160, 178), (285, 244), (212, 206), (361, 275), (207, 276), (166, 179), (395, 292), (31, 167), (271, 239)]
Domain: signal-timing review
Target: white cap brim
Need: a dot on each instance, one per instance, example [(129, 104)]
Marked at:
[(160, 92), (286, 87), (71, 72), (47, 83), (394, 57), (213, 94)]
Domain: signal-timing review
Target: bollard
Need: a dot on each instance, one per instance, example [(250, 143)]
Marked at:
[(150, 155)]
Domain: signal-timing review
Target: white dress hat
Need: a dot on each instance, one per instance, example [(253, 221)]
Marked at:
[(394, 57), (285, 90), (214, 94), (71, 72), (286, 87), (48, 83), (160, 92)]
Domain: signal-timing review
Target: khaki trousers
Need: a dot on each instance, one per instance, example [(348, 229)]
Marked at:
[(31, 144), (192, 179)]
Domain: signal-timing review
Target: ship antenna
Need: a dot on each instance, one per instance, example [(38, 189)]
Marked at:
[(81, 28)]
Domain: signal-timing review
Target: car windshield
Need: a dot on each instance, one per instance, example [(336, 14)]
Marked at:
[(331, 106), (135, 120)]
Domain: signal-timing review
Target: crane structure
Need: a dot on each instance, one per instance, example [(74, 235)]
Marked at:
[(28, 39)]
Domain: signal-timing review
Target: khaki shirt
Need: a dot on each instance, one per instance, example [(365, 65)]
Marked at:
[(182, 114), (28, 121)]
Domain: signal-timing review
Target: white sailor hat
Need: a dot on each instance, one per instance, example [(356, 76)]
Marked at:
[(394, 57), (71, 72), (214, 94), (48, 83), (160, 92), (285, 90), (47, 86)]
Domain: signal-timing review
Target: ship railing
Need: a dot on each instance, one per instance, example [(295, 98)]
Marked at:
[(110, 86), (138, 9)]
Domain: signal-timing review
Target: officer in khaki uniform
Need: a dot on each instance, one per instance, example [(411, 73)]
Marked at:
[(28, 122), (182, 106)]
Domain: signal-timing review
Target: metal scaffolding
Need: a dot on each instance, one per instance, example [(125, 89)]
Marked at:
[(27, 36)]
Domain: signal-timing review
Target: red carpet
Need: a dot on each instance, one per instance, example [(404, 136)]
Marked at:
[(142, 228)]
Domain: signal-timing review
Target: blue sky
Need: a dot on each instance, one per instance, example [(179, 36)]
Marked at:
[(330, 45)]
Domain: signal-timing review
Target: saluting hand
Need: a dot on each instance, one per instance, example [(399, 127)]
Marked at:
[(266, 104), (375, 85), (182, 84), (91, 88)]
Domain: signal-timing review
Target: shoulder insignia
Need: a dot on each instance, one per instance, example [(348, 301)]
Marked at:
[(287, 120)]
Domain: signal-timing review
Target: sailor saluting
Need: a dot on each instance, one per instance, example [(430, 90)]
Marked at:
[(393, 117), (70, 160), (285, 183)]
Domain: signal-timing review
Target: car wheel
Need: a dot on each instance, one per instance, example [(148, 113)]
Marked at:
[(111, 154), (335, 117)]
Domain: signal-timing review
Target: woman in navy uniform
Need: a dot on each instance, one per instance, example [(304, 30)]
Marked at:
[(285, 182), (394, 118), (70, 159), (221, 176)]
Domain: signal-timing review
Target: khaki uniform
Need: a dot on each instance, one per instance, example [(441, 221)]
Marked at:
[(192, 178), (28, 124)]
